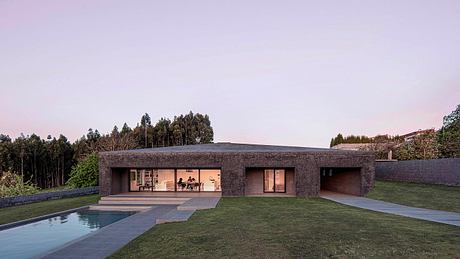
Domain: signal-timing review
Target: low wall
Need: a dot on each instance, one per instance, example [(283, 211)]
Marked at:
[(18, 200), (435, 171)]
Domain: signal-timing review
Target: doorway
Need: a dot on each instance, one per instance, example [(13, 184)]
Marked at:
[(341, 179)]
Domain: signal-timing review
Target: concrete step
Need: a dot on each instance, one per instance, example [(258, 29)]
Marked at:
[(199, 204), (175, 216), (119, 208), (140, 202)]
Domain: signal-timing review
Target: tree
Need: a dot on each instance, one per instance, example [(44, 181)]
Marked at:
[(420, 147), (337, 140), (5, 146), (48, 162), (85, 173), (203, 132), (178, 131), (449, 135), (163, 131), (145, 123), (126, 129)]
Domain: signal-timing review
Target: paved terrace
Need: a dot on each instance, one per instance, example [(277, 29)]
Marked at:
[(445, 217)]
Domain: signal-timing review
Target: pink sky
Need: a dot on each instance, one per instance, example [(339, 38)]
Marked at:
[(274, 72)]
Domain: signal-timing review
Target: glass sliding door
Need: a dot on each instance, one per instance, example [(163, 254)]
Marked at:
[(140, 180), (133, 184), (188, 180), (170, 180), (269, 180), (280, 177), (210, 180), (274, 180), (163, 180)]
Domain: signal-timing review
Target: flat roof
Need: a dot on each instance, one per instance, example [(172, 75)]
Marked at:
[(222, 147)]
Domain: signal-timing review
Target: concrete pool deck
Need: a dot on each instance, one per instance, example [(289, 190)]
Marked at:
[(107, 240), (439, 216)]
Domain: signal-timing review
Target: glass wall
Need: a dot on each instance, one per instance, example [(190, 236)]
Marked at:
[(163, 180), (269, 180), (140, 180), (210, 179), (280, 180), (188, 180), (274, 180), (170, 180)]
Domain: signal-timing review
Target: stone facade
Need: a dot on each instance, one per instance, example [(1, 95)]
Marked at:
[(435, 171), (234, 163)]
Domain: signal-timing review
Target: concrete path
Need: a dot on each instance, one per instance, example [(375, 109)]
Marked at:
[(199, 203), (175, 216), (439, 216)]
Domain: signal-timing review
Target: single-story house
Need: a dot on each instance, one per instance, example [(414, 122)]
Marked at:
[(237, 170)]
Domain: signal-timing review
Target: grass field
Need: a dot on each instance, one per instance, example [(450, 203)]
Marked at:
[(21, 212), (294, 227), (428, 196)]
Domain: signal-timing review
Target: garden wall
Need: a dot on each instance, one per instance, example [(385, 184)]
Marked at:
[(18, 200), (435, 171)]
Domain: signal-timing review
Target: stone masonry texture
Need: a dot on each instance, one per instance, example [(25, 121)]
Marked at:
[(436, 171), (235, 159)]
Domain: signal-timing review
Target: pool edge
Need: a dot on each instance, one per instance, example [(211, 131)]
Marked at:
[(31, 220), (47, 253)]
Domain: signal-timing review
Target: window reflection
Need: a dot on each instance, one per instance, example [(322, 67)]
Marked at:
[(188, 180), (269, 180), (195, 180), (163, 179), (210, 179), (274, 180)]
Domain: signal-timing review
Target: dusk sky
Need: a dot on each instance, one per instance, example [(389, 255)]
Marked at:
[(271, 72)]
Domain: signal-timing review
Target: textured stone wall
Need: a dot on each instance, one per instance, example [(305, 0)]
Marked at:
[(436, 171), (18, 200), (234, 164)]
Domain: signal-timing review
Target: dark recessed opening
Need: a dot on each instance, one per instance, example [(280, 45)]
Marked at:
[(341, 179)]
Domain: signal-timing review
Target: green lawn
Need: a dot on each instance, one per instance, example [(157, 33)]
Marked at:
[(21, 212), (428, 196), (250, 227)]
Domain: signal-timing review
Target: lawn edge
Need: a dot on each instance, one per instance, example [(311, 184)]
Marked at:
[(38, 218)]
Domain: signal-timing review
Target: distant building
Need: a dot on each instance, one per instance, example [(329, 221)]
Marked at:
[(410, 136), (383, 147)]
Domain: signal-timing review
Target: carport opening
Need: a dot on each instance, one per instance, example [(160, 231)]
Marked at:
[(341, 179)]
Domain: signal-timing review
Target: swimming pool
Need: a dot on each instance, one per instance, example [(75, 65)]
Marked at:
[(36, 238)]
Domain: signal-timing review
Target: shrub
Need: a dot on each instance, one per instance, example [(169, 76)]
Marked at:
[(12, 185), (85, 173)]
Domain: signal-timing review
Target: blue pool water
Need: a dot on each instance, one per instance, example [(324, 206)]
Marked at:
[(36, 238)]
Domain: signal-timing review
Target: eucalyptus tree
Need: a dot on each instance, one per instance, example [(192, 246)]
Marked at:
[(163, 131), (449, 134), (145, 123)]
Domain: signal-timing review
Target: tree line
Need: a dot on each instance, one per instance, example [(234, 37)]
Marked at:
[(47, 162), (443, 143)]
